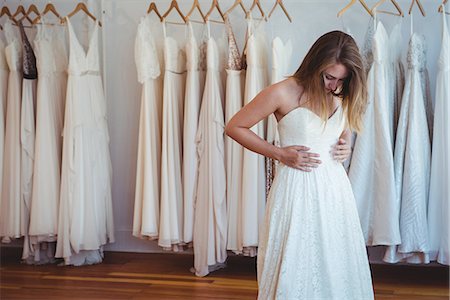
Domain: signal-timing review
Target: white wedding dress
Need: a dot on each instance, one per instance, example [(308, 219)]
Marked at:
[(4, 72), (372, 167), (148, 58), (412, 159), (312, 246), (195, 82), (210, 216), (52, 60), (12, 207), (253, 166), (438, 203), (234, 95), (171, 213), (85, 222)]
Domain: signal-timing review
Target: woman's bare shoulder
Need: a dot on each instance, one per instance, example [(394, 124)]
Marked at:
[(288, 93)]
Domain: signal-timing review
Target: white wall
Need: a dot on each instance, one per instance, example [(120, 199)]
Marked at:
[(311, 18)]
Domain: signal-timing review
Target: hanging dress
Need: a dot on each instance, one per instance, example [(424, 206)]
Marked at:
[(171, 213), (52, 61), (210, 216), (412, 160), (312, 246), (253, 169), (398, 73), (4, 72), (195, 82), (12, 223), (438, 203), (85, 222), (27, 132), (233, 150), (281, 55), (372, 168), (148, 180)]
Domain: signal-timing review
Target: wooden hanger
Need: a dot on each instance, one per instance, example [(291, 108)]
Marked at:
[(152, 8), (441, 9), (342, 11), (422, 11), (236, 3), (21, 10), (215, 5), (397, 7), (5, 11), (33, 9), (82, 7), (47, 9), (195, 5), (258, 5), (174, 4), (280, 3)]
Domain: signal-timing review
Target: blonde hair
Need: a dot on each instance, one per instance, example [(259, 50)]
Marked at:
[(335, 47)]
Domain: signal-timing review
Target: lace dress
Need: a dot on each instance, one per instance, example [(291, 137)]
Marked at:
[(412, 160), (311, 243), (233, 103), (210, 217), (149, 70), (438, 205), (12, 208), (52, 61)]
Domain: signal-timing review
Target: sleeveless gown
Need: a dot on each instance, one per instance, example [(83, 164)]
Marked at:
[(311, 244), (11, 213), (438, 205), (4, 72), (52, 60), (85, 221)]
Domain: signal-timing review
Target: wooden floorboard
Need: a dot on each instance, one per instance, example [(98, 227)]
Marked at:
[(167, 276)]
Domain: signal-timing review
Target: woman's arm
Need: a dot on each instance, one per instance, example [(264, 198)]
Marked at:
[(266, 102), (342, 149)]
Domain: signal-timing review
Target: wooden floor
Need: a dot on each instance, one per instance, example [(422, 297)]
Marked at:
[(167, 276)]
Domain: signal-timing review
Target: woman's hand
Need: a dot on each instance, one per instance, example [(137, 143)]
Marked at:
[(341, 151), (298, 157)]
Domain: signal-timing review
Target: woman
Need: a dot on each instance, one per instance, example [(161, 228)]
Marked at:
[(311, 244)]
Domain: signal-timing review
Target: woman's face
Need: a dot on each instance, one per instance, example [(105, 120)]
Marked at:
[(334, 77)]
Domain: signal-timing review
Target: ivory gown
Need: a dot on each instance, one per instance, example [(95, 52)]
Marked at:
[(438, 205), (210, 216), (312, 246), (172, 212), (4, 73), (148, 58), (253, 169), (85, 222), (12, 208), (52, 61)]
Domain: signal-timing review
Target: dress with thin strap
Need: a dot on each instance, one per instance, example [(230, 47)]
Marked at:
[(234, 93), (52, 60), (210, 216), (253, 169), (171, 212), (11, 198), (85, 222), (438, 205), (195, 82)]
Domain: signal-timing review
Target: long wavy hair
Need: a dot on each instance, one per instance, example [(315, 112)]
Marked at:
[(335, 47)]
